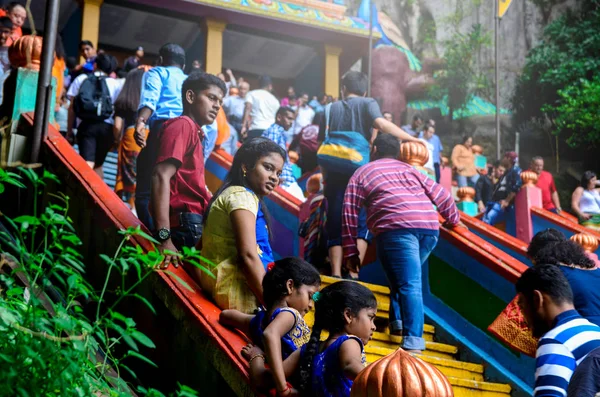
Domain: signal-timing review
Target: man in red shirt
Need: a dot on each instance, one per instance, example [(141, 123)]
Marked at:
[(550, 200), (179, 196)]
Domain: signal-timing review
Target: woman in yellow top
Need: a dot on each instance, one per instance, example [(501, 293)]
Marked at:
[(236, 233), (463, 162)]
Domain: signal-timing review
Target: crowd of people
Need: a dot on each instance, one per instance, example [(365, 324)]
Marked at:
[(167, 118), (497, 185), (165, 121)]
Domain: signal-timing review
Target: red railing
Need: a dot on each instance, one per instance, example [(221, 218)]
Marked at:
[(203, 313), (573, 227)]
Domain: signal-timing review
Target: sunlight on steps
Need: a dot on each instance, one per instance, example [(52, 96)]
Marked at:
[(467, 379)]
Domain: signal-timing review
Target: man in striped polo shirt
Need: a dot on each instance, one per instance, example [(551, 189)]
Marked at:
[(566, 338), (399, 202)]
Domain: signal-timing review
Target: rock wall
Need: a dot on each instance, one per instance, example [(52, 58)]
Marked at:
[(425, 24)]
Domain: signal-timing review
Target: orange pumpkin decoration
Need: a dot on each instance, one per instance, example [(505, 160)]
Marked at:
[(400, 374), (222, 128), (26, 52), (587, 241), (466, 194), (476, 149), (529, 178), (414, 153)]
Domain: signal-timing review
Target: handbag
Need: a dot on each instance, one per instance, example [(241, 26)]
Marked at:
[(342, 151)]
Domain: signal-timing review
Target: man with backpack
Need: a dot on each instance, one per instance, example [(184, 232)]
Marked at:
[(344, 136), (92, 98)]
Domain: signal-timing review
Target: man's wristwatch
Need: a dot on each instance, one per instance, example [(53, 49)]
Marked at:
[(163, 234)]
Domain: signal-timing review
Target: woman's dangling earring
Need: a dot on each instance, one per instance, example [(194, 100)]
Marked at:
[(244, 173)]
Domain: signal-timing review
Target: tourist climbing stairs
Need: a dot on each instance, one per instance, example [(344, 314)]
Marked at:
[(467, 379)]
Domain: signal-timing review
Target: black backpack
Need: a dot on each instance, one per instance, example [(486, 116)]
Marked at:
[(93, 103)]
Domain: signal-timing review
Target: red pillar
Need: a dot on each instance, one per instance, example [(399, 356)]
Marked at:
[(529, 196)]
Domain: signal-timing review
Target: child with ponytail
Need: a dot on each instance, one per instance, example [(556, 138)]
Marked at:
[(347, 311), (288, 288)]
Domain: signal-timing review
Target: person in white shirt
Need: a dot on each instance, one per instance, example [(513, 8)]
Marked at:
[(304, 116), (95, 138), (260, 111)]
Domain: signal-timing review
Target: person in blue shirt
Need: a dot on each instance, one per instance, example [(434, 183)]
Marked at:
[(326, 367), (284, 119), (505, 190), (437, 147), (160, 101), (580, 271), (280, 330), (566, 338)]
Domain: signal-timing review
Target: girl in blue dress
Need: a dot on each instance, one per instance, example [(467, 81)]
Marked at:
[(328, 368), (288, 288)]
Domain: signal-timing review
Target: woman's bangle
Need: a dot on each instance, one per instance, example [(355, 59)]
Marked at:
[(254, 357)]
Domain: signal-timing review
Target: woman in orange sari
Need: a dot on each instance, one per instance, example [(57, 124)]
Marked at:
[(126, 107)]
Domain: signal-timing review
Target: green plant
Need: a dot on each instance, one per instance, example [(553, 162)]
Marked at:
[(51, 344), (462, 77), (575, 115), (557, 85)]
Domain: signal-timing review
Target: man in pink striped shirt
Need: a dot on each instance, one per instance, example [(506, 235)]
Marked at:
[(400, 212)]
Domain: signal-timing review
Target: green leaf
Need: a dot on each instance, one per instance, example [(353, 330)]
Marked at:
[(185, 391), (31, 220), (143, 339), (125, 335), (179, 280), (137, 231), (15, 291), (137, 355), (145, 301), (50, 176)]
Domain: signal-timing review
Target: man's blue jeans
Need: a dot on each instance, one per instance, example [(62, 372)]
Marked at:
[(463, 181), (493, 213), (402, 254)]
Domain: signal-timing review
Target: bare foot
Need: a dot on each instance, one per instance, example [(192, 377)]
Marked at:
[(250, 351)]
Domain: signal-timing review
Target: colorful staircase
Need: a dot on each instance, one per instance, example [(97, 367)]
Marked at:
[(194, 349), (467, 379)]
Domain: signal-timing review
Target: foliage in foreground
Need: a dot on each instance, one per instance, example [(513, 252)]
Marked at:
[(48, 345)]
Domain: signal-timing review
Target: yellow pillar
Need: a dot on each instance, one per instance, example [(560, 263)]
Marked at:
[(332, 70), (90, 23), (214, 45)]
